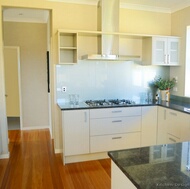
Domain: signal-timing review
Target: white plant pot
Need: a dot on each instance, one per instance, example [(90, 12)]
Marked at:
[(163, 94)]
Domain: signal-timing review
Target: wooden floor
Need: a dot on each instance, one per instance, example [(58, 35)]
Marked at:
[(33, 164)]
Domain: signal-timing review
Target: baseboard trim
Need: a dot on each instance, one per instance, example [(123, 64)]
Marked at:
[(35, 128), (58, 151), (84, 157), (4, 156)]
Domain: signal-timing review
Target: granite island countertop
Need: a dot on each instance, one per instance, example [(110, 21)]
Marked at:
[(149, 168)]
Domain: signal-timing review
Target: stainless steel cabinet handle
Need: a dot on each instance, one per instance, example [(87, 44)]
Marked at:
[(164, 114), (85, 116), (165, 59), (168, 58), (114, 138), (117, 111), (172, 139), (172, 113), (116, 121)]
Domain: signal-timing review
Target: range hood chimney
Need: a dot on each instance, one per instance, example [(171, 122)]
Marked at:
[(108, 22)]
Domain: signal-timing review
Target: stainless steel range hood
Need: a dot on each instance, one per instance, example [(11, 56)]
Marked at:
[(108, 23)]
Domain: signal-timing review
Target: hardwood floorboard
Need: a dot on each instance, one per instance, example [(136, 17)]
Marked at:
[(33, 164)]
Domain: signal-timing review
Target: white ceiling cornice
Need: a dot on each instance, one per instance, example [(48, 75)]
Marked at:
[(144, 8), (175, 8), (87, 2)]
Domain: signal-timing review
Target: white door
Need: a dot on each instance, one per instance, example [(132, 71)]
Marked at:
[(12, 81)]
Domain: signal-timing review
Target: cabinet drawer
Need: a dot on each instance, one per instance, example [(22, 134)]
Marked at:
[(174, 123), (115, 112), (114, 142), (115, 125)]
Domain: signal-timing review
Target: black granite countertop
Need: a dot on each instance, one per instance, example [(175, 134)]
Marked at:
[(173, 104), (163, 166)]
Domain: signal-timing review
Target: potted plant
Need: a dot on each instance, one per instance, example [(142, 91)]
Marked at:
[(164, 85)]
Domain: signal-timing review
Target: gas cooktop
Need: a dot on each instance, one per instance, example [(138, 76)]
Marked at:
[(111, 102)]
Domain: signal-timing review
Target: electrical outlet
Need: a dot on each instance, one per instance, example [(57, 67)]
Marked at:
[(64, 89)]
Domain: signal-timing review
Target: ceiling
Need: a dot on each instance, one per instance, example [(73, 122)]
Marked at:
[(41, 16)]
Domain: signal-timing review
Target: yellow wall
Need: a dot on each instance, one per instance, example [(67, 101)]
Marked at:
[(32, 40), (145, 22), (83, 17), (12, 62)]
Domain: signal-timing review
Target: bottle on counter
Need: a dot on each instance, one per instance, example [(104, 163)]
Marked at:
[(167, 96), (157, 97)]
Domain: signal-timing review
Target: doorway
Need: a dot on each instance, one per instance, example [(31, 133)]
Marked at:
[(12, 87), (33, 38)]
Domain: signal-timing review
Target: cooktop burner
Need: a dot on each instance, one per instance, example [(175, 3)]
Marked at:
[(112, 102)]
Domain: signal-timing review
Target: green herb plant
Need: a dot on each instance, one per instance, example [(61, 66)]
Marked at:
[(164, 84)]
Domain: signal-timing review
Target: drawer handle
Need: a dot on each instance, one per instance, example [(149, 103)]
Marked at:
[(114, 138), (116, 121), (172, 113), (85, 116), (117, 111), (172, 139)]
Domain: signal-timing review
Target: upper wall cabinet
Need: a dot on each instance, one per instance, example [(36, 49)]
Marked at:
[(162, 51), (150, 50), (67, 47)]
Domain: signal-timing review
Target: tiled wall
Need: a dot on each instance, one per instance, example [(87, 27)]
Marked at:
[(106, 80)]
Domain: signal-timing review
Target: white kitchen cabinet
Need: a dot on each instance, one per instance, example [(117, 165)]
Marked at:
[(162, 153), (162, 126), (67, 47), (178, 125), (104, 143), (75, 132), (149, 126), (115, 128), (118, 179), (162, 51), (173, 126)]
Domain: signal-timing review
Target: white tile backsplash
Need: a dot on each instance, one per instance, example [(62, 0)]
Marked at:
[(106, 80)]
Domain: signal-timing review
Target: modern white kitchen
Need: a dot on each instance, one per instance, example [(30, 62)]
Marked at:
[(102, 101)]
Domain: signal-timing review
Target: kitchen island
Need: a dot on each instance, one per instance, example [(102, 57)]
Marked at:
[(161, 166)]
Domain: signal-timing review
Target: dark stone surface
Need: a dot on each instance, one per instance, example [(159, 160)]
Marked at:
[(146, 170)]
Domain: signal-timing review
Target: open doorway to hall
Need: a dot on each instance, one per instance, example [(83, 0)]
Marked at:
[(29, 29)]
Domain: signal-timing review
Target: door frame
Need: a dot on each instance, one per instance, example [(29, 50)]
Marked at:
[(19, 81)]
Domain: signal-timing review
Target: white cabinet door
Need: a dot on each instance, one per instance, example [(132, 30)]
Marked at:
[(75, 132), (166, 51), (159, 51), (173, 126), (163, 51), (173, 123), (149, 126), (173, 51), (162, 126)]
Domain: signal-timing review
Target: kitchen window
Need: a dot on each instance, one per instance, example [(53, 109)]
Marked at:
[(187, 66)]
